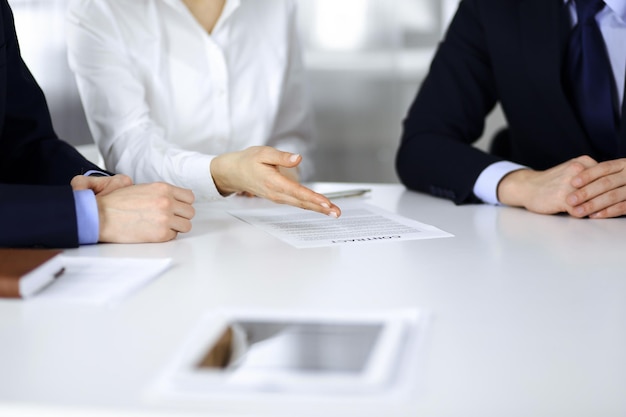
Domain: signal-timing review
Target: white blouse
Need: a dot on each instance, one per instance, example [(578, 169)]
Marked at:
[(163, 97)]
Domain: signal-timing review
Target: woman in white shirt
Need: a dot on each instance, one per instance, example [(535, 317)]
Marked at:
[(197, 93)]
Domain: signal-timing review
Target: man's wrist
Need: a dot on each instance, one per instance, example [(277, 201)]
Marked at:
[(486, 185), (512, 189)]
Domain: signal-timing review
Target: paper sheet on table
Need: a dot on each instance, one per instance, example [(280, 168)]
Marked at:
[(101, 281), (359, 223)]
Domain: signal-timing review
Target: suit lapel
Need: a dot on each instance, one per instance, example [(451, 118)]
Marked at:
[(544, 27)]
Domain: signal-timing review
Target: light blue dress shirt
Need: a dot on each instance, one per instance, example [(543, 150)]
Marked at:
[(612, 23), (87, 219)]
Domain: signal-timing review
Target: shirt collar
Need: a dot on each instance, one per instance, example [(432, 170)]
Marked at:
[(229, 7), (617, 6)]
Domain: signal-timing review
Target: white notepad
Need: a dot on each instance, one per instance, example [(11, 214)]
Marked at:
[(101, 281)]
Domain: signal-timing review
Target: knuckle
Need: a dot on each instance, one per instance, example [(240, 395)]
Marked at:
[(267, 193), (576, 168), (278, 198), (579, 211), (163, 203), (162, 220), (588, 208), (164, 235), (613, 164), (257, 150), (574, 213), (186, 227), (614, 195), (606, 183), (268, 184), (160, 187), (619, 209)]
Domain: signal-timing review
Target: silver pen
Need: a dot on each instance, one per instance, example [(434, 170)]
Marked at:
[(347, 193)]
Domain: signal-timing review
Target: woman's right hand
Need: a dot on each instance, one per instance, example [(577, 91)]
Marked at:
[(257, 171)]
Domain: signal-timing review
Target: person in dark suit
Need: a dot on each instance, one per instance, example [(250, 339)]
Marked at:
[(564, 145), (45, 198)]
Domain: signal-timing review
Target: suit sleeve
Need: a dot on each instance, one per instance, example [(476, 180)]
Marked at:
[(436, 155), (36, 201)]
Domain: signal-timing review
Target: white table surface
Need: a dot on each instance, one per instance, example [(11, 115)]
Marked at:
[(528, 315)]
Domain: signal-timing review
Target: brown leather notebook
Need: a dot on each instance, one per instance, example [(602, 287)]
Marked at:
[(23, 272)]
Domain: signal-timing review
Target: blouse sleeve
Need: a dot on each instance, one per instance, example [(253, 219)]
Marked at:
[(119, 116)]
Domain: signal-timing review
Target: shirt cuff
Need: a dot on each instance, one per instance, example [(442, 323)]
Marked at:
[(486, 186), (87, 217), (197, 177), (95, 173)]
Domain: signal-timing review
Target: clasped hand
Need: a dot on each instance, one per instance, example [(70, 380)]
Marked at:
[(129, 213), (581, 187)]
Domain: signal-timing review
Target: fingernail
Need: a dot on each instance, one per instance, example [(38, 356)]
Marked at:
[(572, 200), (294, 158), (325, 205), (577, 182), (332, 214)]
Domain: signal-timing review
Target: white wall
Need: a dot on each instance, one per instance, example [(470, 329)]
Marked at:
[(40, 26)]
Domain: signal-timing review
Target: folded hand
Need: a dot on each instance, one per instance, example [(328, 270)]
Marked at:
[(600, 190), (100, 185), (144, 213), (546, 191)]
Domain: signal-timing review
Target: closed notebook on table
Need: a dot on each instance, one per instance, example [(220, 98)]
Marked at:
[(24, 272)]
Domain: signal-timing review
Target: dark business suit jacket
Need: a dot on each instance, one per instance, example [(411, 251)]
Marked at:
[(36, 201), (507, 51)]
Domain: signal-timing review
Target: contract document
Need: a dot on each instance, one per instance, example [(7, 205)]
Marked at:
[(359, 223)]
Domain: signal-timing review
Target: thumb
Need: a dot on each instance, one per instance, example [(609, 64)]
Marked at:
[(80, 182), (290, 160), (273, 156)]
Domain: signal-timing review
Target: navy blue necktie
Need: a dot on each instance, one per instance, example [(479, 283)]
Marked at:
[(590, 78)]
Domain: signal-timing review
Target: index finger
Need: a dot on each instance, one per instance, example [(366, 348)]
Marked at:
[(300, 196), (591, 174), (85, 182), (183, 195)]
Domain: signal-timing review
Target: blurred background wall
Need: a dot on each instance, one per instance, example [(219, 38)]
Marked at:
[(365, 58)]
